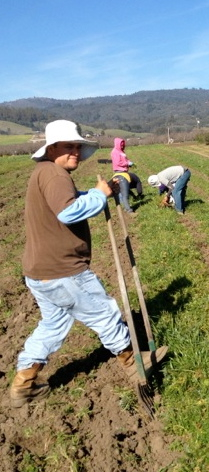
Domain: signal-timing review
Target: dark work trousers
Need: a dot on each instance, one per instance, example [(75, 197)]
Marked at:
[(135, 183)]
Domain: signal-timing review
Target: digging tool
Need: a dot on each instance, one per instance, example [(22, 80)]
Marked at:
[(144, 391), (142, 304)]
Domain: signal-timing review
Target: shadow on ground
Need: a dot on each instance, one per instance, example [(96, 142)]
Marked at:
[(194, 201), (86, 364)]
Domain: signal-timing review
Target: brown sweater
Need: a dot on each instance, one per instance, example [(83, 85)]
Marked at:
[(53, 249)]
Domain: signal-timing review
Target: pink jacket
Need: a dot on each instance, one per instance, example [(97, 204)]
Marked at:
[(120, 162)]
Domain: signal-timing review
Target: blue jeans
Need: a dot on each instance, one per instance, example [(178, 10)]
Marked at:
[(179, 191), (62, 301), (124, 192)]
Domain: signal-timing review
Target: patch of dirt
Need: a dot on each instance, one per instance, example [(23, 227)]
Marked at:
[(84, 424)]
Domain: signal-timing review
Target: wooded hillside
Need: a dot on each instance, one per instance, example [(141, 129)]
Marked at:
[(145, 111)]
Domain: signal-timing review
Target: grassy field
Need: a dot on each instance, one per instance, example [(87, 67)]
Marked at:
[(173, 262), (112, 132), (21, 134), (172, 257), (14, 139), (14, 128)]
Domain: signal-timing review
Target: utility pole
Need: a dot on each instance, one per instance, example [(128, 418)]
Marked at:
[(168, 135)]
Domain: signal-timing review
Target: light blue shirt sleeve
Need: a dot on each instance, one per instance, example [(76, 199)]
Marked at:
[(85, 206)]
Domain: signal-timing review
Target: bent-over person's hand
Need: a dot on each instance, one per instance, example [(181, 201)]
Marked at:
[(165, 202)]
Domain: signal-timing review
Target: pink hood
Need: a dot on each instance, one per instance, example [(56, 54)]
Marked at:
[(120, 162)]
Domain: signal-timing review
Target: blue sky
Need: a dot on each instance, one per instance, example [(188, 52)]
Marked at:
[(68, 49)]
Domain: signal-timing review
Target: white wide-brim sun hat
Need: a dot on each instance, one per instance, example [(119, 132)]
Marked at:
[(65, 131)]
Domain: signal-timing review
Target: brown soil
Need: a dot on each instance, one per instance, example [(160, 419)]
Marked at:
[(83, 425), (110, 438)]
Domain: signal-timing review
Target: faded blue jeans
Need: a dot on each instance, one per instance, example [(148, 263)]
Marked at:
[(179, 191), (62, 301), (124, 192)]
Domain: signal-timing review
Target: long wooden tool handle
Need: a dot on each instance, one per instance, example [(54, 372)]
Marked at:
[(125, 300), (142, 303)]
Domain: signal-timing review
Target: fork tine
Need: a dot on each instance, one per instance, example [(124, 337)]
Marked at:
[(145, 399)]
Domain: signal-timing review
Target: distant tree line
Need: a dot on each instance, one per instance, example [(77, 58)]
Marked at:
[(30, 117), (181, 110)]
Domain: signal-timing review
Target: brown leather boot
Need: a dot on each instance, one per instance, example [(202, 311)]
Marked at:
[(150, 359), (24, 389)]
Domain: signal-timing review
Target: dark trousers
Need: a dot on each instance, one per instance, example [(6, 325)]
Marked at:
[(135, 183)]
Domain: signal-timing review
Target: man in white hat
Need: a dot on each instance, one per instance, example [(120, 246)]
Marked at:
[(56, 263), (175, 179)]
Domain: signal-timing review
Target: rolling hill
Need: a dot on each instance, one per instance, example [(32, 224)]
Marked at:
[(145, 111)]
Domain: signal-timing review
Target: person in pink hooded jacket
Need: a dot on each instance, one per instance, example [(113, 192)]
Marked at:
[(127, 180)]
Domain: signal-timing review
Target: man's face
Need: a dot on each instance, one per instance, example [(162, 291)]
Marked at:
[(66, 155)]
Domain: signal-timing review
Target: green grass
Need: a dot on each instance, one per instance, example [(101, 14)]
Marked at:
[(121, 133), (31, 463), (172, 260), (112, 132), (13, 128), (172, 263), (14, 139), (127, 399)]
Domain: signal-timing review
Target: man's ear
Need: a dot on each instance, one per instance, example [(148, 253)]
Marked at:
[(50, 151)]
